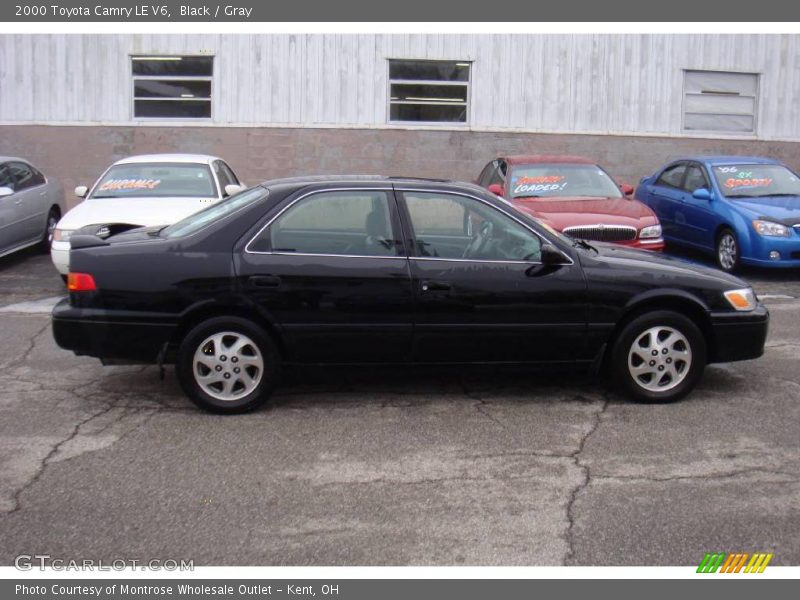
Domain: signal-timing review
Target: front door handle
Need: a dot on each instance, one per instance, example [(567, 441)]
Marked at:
[(435, 286), (264, 281)]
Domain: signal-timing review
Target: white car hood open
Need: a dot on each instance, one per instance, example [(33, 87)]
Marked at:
[(135, 211)]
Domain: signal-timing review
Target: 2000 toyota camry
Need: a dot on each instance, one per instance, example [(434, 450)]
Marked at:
[(380, 270)]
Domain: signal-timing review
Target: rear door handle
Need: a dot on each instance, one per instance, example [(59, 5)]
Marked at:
[(435, 286), (264, 281)]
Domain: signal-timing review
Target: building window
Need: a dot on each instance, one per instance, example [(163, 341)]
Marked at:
[(720, 101), (428, 91), (172, 87)]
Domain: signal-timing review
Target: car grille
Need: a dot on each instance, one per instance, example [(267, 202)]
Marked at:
[(602, 233)]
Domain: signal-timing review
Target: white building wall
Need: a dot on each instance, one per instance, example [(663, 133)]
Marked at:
[(596, 83)]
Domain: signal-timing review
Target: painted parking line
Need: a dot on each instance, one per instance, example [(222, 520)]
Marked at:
[(41, 306), (775, 297)]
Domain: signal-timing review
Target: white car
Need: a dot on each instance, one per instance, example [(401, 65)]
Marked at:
[(143, 191)]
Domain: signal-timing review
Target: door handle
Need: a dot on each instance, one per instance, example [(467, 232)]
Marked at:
[(264, 281), (435, 286)]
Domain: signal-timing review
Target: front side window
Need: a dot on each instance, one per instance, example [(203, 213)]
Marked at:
[(156, 180), (428, 91), (561, 180), (346, 223), (720, 101), (458, 227), (172, 87), (695, 179), (752, 181)]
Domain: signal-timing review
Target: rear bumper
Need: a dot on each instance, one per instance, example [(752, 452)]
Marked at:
[(739, 335), (122, 337)]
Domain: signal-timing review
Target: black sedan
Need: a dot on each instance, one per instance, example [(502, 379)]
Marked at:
[(355, 270)]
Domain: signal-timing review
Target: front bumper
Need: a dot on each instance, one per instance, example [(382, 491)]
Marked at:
[(760, 247), (125, 336), (738, 335), (59, 254)]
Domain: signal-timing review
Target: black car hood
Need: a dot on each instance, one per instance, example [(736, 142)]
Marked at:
[(650, 261)]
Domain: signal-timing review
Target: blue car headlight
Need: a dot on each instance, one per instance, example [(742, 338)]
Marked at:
[(770, 228)]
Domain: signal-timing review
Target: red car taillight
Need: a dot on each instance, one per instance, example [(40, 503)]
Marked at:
[(80, 282)]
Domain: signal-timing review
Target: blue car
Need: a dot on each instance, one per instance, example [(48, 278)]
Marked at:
[(744, 210)]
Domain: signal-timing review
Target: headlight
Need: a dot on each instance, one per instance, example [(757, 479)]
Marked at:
[(770, 228), (654, 231), (62, 235), (744, 299)]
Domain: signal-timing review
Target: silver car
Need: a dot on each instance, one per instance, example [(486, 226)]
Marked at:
[(30, 206)]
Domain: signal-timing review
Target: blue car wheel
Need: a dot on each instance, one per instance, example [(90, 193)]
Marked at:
[(727, 251)]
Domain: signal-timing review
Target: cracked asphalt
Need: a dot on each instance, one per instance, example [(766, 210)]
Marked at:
[(387, 467)]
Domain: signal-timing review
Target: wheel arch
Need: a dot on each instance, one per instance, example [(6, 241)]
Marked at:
[(675, 300), (208, 310)]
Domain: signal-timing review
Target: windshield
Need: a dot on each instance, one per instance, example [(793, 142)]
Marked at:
[(753, 181), (156, 180), (214, 212), (559, 180)]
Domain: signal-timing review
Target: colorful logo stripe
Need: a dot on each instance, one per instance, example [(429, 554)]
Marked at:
[(734, 562)]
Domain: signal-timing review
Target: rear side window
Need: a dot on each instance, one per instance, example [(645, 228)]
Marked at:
[(672, 176), (23, 176), (6, 180), (343, 223)]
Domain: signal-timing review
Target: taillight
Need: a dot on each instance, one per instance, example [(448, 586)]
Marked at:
[(80, 282)]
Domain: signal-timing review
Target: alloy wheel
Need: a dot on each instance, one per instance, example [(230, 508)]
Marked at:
[(659, 359), (727, 251), (228, 365)]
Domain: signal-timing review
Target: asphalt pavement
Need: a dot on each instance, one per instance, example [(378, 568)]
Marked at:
[(390, 467)]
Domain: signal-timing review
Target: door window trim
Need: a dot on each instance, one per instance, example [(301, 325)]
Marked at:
[(413, 237), (389, 192)]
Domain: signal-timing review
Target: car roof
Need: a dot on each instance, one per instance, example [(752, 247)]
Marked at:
[(731, 160), (168, 158), (14, 158), (366, 180), (527, 159)]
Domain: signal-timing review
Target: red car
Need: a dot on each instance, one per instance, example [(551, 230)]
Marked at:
[(575, 196)]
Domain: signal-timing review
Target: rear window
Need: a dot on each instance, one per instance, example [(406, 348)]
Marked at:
[(752, 181), (156, 180), (213, 213), (556, 180)]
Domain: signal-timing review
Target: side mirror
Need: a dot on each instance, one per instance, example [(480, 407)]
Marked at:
[(81, 191), (701, 194), (626, 188), (232, 189), (553, 256), (496, 189), (6, 191)]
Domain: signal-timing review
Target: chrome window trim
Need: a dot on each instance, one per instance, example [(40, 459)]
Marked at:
[(306, 195), (541, 237)]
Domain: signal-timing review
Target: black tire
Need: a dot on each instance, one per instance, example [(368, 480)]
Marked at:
[(727, 242), (53, 216), (658, 323), (189, 372)]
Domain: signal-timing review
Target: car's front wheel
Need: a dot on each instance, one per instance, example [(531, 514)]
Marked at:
[(659, 356), (228, 365)]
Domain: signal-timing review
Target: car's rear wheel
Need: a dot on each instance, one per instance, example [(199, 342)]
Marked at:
[(50, 227), (228, 365), (659, 356), (727, 251)]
